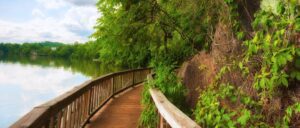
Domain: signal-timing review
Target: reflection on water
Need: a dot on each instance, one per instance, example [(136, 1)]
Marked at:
[(28, 82)]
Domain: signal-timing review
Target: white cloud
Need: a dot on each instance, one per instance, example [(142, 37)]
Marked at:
[(37, 30), (76, 24), (77, 20), (83, 2), (38, 13), (52, 4)]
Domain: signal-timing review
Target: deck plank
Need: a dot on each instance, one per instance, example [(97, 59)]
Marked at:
[(123, 111)]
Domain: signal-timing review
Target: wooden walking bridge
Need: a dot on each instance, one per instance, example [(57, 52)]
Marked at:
[(110, 101)]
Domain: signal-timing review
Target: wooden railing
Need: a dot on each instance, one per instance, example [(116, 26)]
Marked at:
[(75, 108), (169, 115)]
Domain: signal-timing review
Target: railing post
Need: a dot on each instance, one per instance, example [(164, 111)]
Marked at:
[(113, 85), (90, 100), (122, 83), (132, 78), (161, 121)]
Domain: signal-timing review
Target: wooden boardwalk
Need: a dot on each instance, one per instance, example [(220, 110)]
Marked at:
[(110, 101), (121, 112)]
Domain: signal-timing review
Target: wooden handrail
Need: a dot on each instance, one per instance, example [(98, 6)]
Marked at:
[(74, 108), (169, 114)]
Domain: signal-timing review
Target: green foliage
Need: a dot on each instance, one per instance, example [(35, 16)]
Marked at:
[(134, 33), (245, 116), (210, 112), (124, 32), (88, 50), (233, 17), (28, 48), (272, 55), (272, 42), (165, 80), (149, 116), (293, 109)]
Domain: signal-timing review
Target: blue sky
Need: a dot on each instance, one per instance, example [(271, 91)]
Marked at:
[(47, 20)]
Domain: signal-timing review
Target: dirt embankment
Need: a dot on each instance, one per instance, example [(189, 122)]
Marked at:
[(199, 72)]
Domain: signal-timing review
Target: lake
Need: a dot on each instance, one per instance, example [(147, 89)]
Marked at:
[(29, 82)]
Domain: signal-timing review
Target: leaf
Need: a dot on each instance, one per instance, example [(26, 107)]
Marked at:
[(297, 108), (274, 68), (241, 65), (298, 76), (268, 38), (245, 117), (284, 81), (240, 35), (262, 83), (298, 49), (289, 57), (281, 60), (226, 117), (273, 59), (289, 111)]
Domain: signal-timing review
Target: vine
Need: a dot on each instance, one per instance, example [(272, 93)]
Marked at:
[(272, 46), (272, 56), (293, 109)]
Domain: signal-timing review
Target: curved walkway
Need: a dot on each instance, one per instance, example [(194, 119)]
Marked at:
[(121, 112)]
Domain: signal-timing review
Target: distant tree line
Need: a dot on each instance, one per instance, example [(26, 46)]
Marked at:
[(88, 50)]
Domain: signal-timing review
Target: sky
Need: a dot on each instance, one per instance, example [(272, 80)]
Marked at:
[(66, 21)]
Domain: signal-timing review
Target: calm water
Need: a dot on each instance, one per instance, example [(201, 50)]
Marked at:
[(28, 82)]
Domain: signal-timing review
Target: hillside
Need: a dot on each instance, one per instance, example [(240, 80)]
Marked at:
[(88, 50), (239, 59), (261, 89), (51, 44)]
